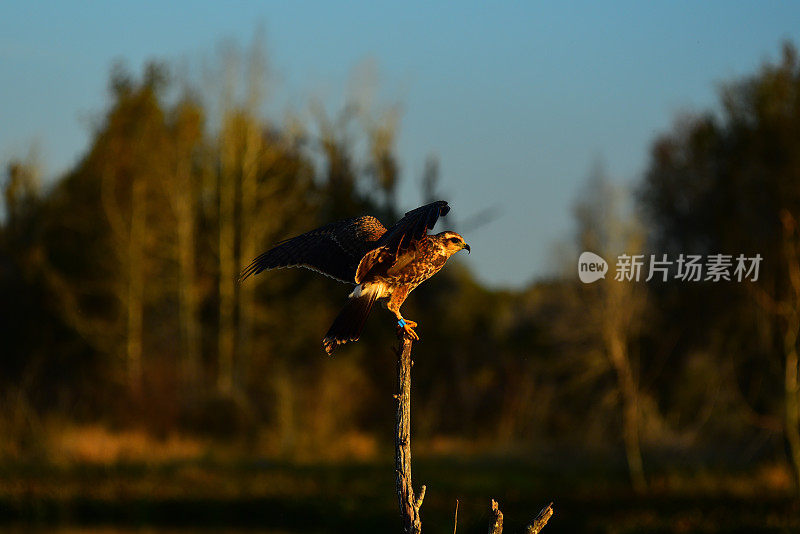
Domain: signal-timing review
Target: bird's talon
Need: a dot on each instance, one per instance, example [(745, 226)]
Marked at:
[(409, 331)]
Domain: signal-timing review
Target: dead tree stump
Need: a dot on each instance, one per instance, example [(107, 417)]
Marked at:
[(409, 505)]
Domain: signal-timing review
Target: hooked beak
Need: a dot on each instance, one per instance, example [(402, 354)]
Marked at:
[(466, 247)]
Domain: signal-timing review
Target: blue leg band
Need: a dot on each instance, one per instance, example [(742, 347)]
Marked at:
[(401, 323)]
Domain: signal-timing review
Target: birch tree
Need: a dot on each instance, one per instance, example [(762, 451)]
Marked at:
[(615, 307)]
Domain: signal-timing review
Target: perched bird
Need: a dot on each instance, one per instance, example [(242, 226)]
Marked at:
[(385, 265)]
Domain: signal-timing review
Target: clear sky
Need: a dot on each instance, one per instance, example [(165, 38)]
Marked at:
[(518, 100)]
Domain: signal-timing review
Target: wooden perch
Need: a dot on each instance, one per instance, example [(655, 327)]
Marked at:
[(496, 527), (409, 506)]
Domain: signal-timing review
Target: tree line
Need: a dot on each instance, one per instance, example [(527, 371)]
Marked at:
[(120, 303)]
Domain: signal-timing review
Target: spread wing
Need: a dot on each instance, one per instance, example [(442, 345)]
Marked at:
[(403, 236), (333, 250)]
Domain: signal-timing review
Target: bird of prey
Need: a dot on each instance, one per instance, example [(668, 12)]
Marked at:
[(385, 265)]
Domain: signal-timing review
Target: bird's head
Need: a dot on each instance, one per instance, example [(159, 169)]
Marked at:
[(452, 242)]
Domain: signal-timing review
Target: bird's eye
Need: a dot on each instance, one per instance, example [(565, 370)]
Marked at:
[(453, 240)]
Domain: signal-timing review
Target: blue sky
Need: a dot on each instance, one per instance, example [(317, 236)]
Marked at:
[(517, 100)]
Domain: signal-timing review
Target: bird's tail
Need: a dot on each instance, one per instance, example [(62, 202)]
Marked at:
[(351, 320)]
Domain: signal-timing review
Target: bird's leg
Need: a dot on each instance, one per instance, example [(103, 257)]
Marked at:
[(404, 326)]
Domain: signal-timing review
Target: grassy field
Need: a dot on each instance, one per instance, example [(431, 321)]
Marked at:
[(272, 496)]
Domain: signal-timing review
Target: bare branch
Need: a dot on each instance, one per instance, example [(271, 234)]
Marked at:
[(496, 526), (418, 502), (541, 520)]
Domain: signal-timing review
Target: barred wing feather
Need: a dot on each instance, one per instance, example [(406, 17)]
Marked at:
[(333, 250)]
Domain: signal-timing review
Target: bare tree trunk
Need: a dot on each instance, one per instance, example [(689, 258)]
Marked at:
[(630, 408), (792, 330), (248, 230), (409, 506), (249, 224), (135, 306), (187, 289), (791, 401), (226, 342), (121, 245)]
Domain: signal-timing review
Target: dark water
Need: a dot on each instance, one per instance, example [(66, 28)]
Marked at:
[(600, 515), (274, 498)]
